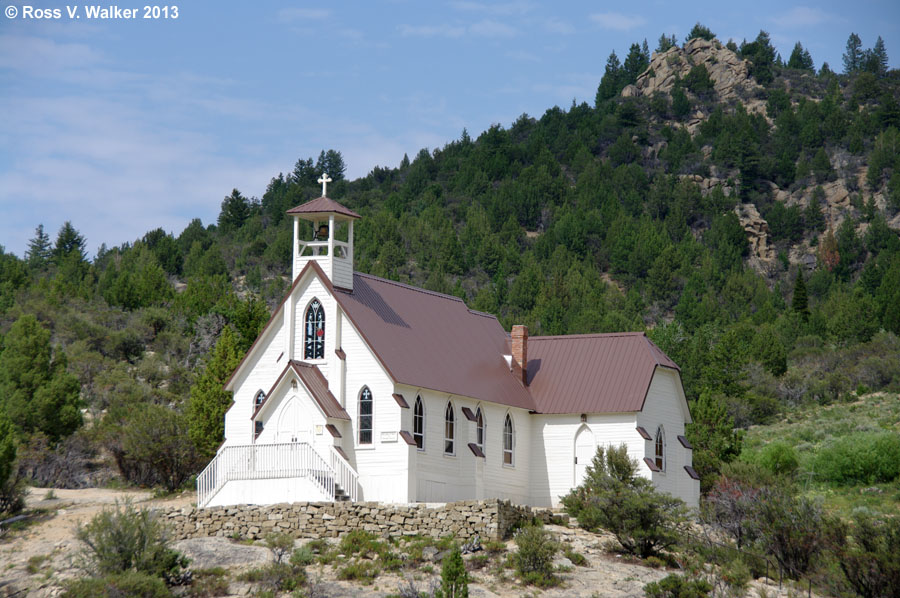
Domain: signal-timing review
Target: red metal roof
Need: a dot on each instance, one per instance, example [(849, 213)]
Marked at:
[(592, 373), (318, 387), (323, 205), (430, 340)]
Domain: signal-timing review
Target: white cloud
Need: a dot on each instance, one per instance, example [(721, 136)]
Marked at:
[(560, 27), (803, 16), (489, 28), (292, 15), (617, 21), (504, 8), (443, 30)]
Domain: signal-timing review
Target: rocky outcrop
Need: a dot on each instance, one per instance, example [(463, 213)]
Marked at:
[(490, 519), (757, 229), (729, 74)]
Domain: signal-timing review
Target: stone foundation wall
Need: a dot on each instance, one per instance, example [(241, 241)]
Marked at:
[(491, 519)]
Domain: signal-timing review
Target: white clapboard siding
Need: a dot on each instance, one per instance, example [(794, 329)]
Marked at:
[(665, 405), (383, 465), (259, 373), (553, 449)]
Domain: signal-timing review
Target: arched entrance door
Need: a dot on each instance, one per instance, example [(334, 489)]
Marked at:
[(294, 423), (584, 452)]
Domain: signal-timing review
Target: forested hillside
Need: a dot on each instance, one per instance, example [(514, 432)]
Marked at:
[(741, 208)]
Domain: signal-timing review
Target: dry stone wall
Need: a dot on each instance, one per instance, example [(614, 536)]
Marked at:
[(491, 519)]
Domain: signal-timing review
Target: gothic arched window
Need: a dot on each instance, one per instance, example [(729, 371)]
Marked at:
[(449, 429), (660, 449), (509, 436), (314, 333), (479, 429), (365, 416), (260, 397), (419, 424)]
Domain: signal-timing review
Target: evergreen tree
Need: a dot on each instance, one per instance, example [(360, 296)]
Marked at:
[(70, 245), (635, 63), (39, 249), (665, 42), (11, 489), (699, 30), (713, 436), (454, 579), (332, 163), (35, 390), (235, 211), (800, 59), (853, 55), (761, 54), (610, 84), (800, 302), (304, 173), (875, 61), (208, 400)]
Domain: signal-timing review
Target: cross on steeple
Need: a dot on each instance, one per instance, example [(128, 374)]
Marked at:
[(324, 179)]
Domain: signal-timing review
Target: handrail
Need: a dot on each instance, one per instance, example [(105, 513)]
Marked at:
[(346, 476), (268, 461)]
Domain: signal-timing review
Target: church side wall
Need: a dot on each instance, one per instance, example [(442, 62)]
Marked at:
[(663, 406), (553, 449), (260, 373), (440, 477), (383, 466)]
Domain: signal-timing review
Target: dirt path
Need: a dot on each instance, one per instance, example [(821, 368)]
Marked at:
[(53, 536)]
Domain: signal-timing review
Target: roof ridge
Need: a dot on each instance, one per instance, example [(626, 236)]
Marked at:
[(586, 336), (409, 286)]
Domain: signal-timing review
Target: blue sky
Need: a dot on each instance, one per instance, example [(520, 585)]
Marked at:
[(128, 125)]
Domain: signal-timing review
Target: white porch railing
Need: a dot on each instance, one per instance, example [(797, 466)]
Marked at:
[(345, 476), (268, 461)]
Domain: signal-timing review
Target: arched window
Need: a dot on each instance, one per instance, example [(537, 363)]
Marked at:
[(365, 416), (479, 429), (660, 448), (449, 429), (509, 437), (314, 333), (260, 397), (419, 424)]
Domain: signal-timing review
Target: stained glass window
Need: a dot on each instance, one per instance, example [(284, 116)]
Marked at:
[(365, 416), (314, 339), (419, 423)]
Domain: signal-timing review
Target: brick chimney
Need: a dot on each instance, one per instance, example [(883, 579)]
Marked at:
[(520, 351)]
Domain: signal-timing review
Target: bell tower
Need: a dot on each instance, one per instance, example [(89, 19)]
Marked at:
[(328, 218)]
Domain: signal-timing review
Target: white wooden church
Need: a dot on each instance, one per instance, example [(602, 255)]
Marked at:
[(362, 388)]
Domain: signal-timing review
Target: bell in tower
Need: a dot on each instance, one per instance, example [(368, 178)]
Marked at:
[(328, 219)]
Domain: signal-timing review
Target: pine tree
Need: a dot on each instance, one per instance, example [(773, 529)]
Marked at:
[(665, 42), (235, 211), (635, 64), (332, 163), (800, 301), (699, 30), (36, 392), (853, 55), (879, 58), (713, 436), (454, 579), (208, 400), (800, 58), (39, 249), (70, 244), (610, 84)]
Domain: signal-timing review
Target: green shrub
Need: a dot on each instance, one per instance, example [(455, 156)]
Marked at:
[(131, 584), (303, 556), (615, 498), (277, 577), (128, 539), (678, 586), (867, 554), (779, 458), (208, 583), (860, 458), (364, 571), (454, 579), (495, 546), (577, 558), (534, 559), (280, 544), (792, 529)]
